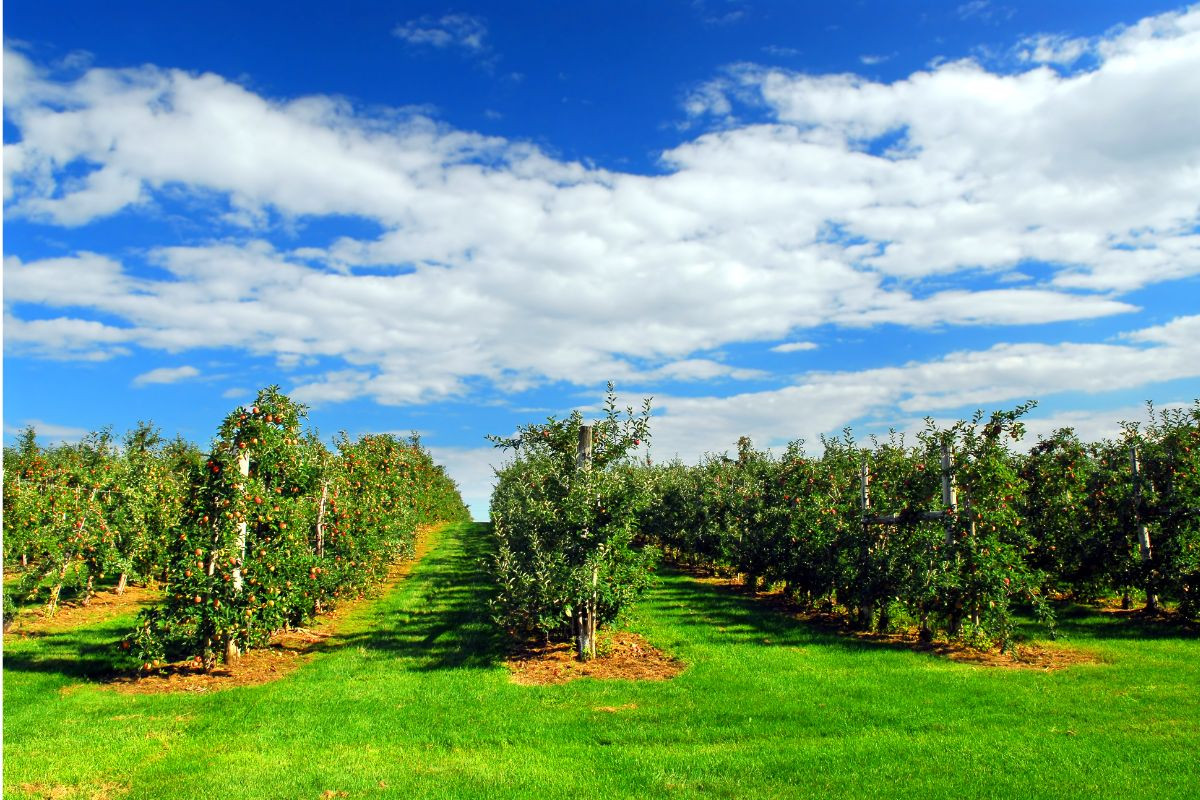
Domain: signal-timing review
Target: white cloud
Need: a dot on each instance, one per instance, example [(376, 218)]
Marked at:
[(1051, 49), (1004, 374), (856, 203), (984, 10), (794, 347), (451, 30), (165, 375), (49, 432), (473, 469), (65, 339)]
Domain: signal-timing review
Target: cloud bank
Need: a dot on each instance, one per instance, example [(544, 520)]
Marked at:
[(960, 196)]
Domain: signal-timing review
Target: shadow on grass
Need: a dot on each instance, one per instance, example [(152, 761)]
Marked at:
[(730, 614), (437, 619), (441, 620), (82, 654), (1083, 621)]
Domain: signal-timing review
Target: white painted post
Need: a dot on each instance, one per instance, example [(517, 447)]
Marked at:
[(1143, 532), (864, 481), (585, 621), (949, 492), (232, 653)]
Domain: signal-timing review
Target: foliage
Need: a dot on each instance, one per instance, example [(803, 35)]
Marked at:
[(803, 521), (76, 514), (241, 555), (1066, 517), (278, 528), (565, 526)]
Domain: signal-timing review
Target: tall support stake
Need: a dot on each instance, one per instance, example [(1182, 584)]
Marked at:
[(321, 520), (585, 618), (865, 612), (864, 480), (949, 492), (1143, 532), (583, 451), (232, 653)]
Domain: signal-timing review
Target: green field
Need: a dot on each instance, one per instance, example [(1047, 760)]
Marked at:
[(411, 700)]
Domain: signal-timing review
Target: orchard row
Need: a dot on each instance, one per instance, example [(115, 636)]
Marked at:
[(951, 533), (265, 531), (874, 530)]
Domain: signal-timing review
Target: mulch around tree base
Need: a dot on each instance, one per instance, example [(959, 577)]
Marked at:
[(625, 656)]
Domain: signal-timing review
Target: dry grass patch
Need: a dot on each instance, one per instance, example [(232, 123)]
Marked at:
[(103, 791)]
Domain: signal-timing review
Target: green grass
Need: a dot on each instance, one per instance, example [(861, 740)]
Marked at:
[(411, 701)]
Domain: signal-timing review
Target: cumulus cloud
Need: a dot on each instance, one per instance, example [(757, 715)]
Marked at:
[(1002, 374), (850, 203), (473, 469), (165, 375)]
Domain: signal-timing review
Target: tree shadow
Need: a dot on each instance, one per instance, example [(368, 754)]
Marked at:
[(80, 654), (1082, 621), (729, 614), (738, 617), (444, 622)]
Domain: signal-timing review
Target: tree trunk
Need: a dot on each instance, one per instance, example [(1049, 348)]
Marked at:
[(585, 622), (121, 581), (865, 614), (885, 619), (924, 633), (52, 603)]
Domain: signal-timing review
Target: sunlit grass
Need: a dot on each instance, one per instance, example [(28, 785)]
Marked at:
[(412, 701)]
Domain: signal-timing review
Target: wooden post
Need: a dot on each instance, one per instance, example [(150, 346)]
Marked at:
[(1143, 532), (583, 452), (866, 606)]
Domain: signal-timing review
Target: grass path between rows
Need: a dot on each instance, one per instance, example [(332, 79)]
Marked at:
[(411, 700)]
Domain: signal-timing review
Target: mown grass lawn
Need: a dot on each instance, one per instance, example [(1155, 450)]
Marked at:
[(412, 701)]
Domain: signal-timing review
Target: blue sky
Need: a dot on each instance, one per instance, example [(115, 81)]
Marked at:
[(777, 218)]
